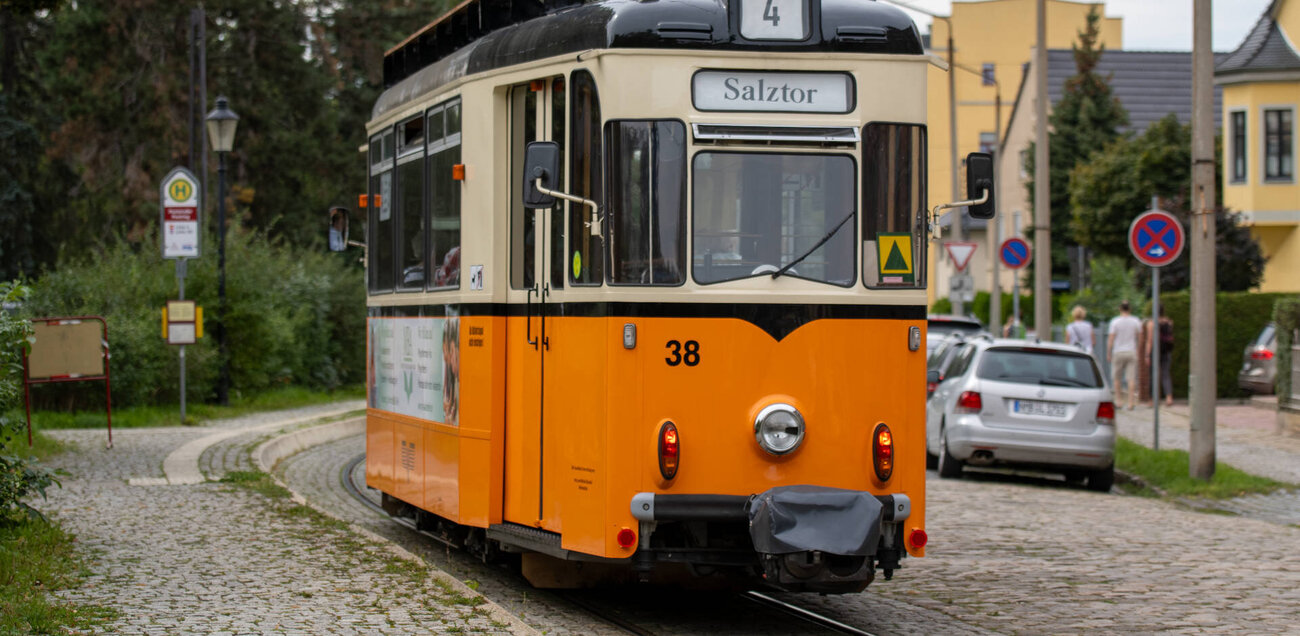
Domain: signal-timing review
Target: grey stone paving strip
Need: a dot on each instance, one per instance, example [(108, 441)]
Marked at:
[(268, 454), (182, 465)]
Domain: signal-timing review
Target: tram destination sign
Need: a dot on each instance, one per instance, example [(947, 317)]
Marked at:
[(761, 91)]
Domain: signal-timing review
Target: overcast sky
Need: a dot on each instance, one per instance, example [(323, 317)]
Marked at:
[(1151, 25)]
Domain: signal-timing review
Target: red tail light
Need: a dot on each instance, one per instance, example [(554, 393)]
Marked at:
[(930, 387), (969, 402), (670, 450), (626, 538), (1106, 413), (1261, 354), (882, 451)]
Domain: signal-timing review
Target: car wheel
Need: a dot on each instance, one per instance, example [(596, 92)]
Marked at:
[(1101, 480), (949, 466)]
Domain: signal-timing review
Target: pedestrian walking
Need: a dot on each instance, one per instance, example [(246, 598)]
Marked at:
[(1144, 363), (1122, 351), (1080, 332), (1164, 330)]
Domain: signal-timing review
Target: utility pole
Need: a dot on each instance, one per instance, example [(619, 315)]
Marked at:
[(1202, 238), (1042, 188), (958, 307), (994, 228)]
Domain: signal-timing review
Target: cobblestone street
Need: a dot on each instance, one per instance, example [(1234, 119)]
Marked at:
[(1007, 554), (213, 558)]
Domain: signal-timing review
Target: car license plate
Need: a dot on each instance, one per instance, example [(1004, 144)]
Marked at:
[(1033, 407)]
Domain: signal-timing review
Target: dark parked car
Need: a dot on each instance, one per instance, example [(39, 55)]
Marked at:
[(940, 326), (1259, 366)]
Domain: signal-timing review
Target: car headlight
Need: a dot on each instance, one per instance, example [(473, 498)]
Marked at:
[(779, 428)]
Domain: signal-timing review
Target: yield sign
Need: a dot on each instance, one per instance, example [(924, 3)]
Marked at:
[(1156, 238), (960, 252)]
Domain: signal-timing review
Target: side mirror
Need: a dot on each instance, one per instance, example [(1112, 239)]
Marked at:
[(338, 230), (932, 376), (979, 177), (541, 161)]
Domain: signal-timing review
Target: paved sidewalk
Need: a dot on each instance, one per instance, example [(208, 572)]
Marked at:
[(1246, 438), (213, 558)]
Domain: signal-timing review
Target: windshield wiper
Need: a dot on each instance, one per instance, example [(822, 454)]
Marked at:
[(1060, 382), (812, 249)]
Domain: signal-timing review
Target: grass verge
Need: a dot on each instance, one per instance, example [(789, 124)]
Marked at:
[(144, 416), (36, 559), (42, 447), (1167, 472)]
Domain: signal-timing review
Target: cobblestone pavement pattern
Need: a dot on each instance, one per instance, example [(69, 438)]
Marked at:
[(1246, 437), (213, 558), (314, 473)]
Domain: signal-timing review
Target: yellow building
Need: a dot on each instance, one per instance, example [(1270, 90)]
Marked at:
[(1261, 91), (992, 41)]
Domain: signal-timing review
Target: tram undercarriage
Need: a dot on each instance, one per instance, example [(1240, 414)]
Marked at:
[(707, 542)]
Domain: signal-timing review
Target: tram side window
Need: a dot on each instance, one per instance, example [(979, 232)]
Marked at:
[(413, 237), (647, 206), (444, 195), (894, 206), (586, 266), (382, 224)]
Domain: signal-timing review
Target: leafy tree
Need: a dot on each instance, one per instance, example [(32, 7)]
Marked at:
[(18, 477), (1087, 118), (1110, 190)]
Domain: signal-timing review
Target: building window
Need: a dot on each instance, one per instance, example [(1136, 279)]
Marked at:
[(988, 142), (988, 74), (1279, 158), (1238, 146)]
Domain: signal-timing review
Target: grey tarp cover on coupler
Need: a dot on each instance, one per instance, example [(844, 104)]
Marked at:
[(799, 518)]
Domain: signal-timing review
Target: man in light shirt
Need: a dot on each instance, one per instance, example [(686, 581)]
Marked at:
[(1121, 346)]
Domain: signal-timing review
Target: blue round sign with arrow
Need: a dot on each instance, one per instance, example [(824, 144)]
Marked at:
[(1015, 252), (1156, 238)]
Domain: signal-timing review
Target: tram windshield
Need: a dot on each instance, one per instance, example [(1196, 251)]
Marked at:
[(756, 213)]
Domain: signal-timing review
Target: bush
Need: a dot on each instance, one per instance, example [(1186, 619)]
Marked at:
[(294, 316), (1238, 318), (18, 477), (980, 309), (1286, 313)]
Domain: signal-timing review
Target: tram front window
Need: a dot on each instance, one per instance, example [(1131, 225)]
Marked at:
[(757, 213)]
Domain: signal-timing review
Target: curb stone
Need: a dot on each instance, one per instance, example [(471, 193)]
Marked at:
[(268, 455)]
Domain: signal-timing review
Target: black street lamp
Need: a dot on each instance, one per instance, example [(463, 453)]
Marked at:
[(221, 131)]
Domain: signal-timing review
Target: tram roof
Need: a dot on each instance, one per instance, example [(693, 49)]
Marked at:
[(481, 35)]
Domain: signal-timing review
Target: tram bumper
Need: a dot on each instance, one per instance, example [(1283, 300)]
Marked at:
[(807, 538)]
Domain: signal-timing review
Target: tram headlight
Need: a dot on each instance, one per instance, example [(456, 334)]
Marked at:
[(779, 429)]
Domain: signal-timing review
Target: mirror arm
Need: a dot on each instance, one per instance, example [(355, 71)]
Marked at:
[(595, 210), (934, 216)]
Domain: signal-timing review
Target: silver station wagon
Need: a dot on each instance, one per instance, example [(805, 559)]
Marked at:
[(1017, 403)]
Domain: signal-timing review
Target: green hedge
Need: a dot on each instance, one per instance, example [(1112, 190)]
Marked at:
[(1286, 313), (294, 316), (980, 308), (1238, 318)]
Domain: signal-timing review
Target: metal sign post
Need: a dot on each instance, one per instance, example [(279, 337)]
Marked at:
[(1015, 253), (1156, 240), (180, 199)]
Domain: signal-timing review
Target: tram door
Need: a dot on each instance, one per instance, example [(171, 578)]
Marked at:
[(536, 249)]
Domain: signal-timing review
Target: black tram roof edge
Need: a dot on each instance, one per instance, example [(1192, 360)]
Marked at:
[(483, 35)]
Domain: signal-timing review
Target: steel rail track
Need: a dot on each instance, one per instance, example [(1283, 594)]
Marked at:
[(594, 609)]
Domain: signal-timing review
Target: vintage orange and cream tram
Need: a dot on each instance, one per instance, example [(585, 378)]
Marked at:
[(647, 287)]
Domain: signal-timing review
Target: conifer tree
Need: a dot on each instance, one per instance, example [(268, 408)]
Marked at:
[(1086, 118)]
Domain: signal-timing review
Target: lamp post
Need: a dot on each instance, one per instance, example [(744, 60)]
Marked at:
[(221, 131)]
